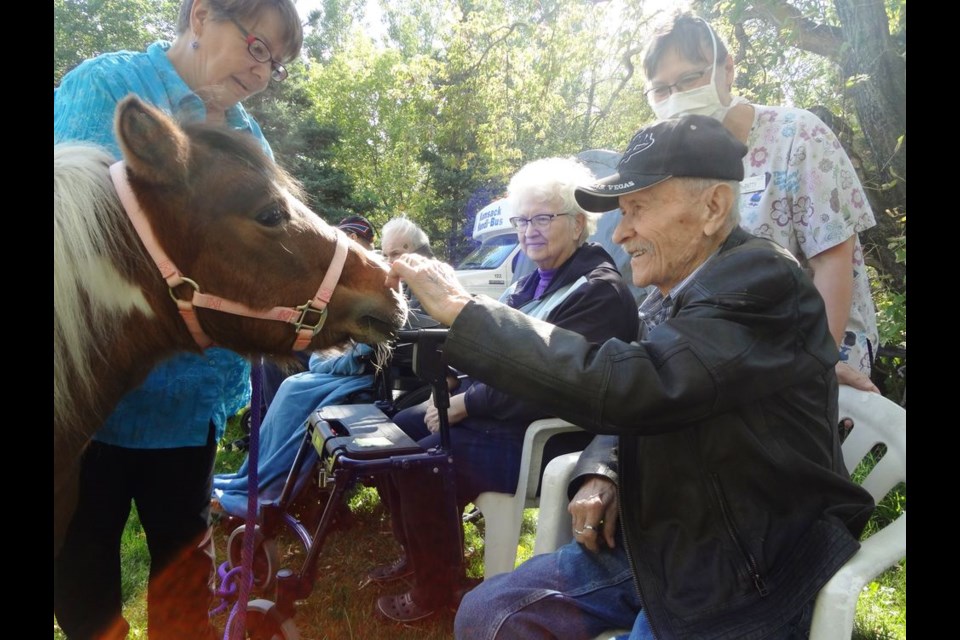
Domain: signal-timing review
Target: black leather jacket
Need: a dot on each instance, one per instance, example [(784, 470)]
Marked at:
[(735, 503), (602, 307)]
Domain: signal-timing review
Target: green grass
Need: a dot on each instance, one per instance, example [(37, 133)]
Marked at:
[(340, 608), (882, 607)]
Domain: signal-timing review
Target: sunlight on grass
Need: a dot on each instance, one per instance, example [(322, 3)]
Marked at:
[(882, 607)]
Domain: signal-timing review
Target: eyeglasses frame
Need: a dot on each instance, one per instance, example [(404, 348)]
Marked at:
[(278, 72), (515, 221), (675, 86)]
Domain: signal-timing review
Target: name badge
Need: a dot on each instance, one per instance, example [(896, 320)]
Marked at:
[(754, 183)]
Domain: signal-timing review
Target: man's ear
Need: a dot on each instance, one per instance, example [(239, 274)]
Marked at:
[(719, 200)]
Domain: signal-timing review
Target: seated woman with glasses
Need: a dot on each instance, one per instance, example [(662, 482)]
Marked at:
[(577, 287), (157, 449)]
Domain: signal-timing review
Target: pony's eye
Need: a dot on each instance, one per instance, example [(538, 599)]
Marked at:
[(271, 217)]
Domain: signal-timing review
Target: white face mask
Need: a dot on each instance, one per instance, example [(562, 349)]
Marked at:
[(702, 101)]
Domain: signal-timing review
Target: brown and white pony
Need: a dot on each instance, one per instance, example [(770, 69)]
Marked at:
[(230, 221)]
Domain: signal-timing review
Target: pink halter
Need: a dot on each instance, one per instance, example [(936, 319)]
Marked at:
[(297, 316)]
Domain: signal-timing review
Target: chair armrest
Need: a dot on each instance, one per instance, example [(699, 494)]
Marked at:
[(554, 522)]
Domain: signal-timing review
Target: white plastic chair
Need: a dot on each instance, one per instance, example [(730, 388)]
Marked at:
[(876, 420), (554, 522), (503, 512)]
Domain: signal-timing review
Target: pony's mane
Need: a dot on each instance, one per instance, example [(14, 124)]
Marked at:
[(88, 289)]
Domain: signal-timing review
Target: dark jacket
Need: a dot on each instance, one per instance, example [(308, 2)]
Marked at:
[(598, 309), (735, 503)]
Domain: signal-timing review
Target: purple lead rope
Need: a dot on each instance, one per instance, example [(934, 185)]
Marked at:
[(237, 622)]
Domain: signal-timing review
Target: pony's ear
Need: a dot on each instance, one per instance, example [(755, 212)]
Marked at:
[(154, 147)]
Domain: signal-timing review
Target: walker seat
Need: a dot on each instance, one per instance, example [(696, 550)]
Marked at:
[(358, 431)]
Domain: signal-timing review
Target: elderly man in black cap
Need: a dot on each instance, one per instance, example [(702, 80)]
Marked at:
[(715, 503)]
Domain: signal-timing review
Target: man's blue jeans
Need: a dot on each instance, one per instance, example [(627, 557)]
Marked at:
[(570, 594)]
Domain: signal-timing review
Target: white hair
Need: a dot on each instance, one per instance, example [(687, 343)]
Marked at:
[(404, 227), (554, 180)]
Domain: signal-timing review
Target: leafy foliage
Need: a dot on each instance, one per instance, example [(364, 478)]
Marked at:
[(306, 147), (891, 300), (85, 28)]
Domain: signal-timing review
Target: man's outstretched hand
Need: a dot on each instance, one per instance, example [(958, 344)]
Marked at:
[(433, 283)]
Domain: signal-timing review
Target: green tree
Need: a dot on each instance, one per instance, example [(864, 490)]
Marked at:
[(85, 28), (511, 82), (305, 146), (377, 102), (328, 27)]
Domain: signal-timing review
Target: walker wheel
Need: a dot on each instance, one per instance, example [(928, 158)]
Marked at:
[(246, 421), (266, 559), (265, 622)]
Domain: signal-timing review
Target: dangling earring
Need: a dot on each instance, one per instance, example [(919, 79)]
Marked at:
[(194, 45)]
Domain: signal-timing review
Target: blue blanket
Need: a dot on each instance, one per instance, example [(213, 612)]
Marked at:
[(329, 381)]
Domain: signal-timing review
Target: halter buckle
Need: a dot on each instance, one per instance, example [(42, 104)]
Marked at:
[(301, 321)]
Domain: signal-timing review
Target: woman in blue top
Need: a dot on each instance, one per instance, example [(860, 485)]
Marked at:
[(158, 447)]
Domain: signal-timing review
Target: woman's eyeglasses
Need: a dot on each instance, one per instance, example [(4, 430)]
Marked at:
[(539, 221), (260, 52), (685, 83)]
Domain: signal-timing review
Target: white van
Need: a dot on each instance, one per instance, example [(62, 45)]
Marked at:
[(488, 269)]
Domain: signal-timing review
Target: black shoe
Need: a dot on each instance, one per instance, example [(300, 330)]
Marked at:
[(240, 444)]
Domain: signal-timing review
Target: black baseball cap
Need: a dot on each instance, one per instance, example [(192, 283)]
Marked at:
[(690, 146)]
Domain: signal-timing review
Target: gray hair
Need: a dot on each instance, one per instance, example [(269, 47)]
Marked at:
[(404, 227), (241, 10), (696, 185), (554, 179)]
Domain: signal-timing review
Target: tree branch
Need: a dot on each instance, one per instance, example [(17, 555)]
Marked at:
[(808, 35)]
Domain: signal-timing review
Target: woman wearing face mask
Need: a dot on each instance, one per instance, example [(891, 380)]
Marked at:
[(800, 188)]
